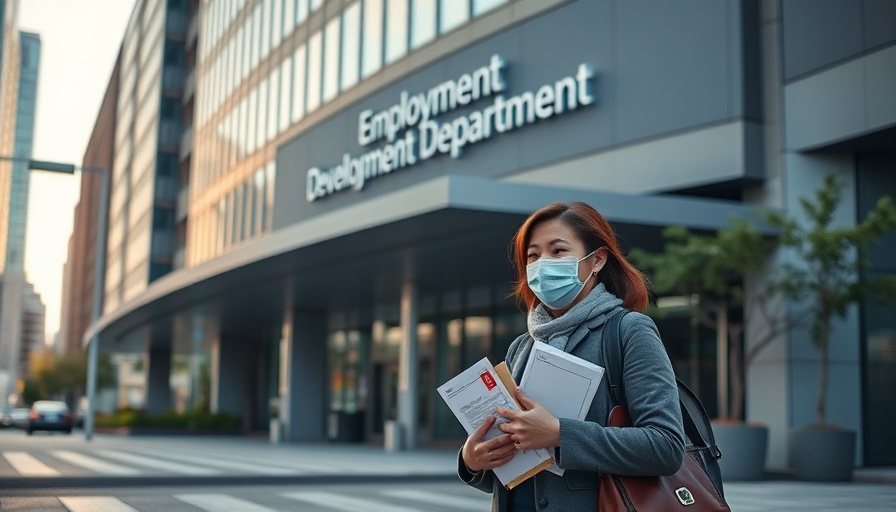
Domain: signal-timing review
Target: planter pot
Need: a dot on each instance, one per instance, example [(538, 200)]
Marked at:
[(822, 455), (744, 447)]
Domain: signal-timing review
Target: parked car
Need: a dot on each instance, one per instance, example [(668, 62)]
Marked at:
[(49, 415), (15, 418)]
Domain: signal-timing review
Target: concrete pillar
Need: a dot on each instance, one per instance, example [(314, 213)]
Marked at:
[(229, 371), (303, 370), (158, 375), (408, 368)]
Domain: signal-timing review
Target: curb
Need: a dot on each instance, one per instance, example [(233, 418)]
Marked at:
[(53, 484)]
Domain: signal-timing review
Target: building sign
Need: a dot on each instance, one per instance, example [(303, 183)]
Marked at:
[(413, 134)]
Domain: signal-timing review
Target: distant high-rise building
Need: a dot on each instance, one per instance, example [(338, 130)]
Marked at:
[(22, 314), (141, 241), (80, 266)]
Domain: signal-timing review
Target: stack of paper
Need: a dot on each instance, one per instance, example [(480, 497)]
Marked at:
[(563, 383), (474, 396)]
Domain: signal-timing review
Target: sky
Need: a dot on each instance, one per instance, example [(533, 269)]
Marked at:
[(79, 43)]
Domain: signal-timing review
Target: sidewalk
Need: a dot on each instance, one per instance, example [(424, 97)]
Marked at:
[(253, 461)]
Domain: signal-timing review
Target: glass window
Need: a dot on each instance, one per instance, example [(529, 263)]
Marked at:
[(481, 6), (289, 16), (423, 22), (258, 181), (315, 4), (242, 149), (266, 29), (256, 36), (298, 84), (270, 173), (273, 103), (372, 49), (243, 38), (312, 100), (261, 133), (301, 11), (396, 29), (253, 118), (276, 23), (453, 13), (351, 39), (248, 211), (285, 92), (331, 59)]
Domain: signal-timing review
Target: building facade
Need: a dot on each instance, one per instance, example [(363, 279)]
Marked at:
[(20, 306), (357, 169)]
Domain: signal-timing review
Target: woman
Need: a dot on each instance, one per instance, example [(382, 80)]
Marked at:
[(572, 277)]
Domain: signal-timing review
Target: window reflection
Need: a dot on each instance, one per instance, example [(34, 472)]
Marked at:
[(351, 37), (372, 48), (482, 6), (423, 22), (396, 29), (312, 100), (331, 59), (453, 13)]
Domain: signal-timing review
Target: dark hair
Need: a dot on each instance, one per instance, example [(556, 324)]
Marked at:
[(619, 276)]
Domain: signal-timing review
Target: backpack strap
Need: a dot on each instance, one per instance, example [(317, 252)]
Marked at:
[(698, 433), (611, 345)]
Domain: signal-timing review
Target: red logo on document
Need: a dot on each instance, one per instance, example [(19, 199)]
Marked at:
[(488, 380)]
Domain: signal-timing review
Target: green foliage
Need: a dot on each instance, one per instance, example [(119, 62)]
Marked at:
[(712, 268), (66, 375), (707, 265), (826, 273), (822, 279), (194, 419)]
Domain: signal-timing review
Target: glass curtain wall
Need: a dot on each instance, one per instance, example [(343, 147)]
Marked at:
[(455, 329), (249, 93)]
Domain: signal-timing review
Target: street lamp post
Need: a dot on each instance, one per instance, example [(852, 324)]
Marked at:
[(98, 281)]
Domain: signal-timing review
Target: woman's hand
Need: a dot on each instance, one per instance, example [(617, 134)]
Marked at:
[(479, 454), (533, 427)]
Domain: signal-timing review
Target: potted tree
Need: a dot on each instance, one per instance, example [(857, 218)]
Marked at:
[(826, 274), (714, 270)]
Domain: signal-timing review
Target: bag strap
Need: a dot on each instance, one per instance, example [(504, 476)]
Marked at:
[(612, 352), (690, 405)]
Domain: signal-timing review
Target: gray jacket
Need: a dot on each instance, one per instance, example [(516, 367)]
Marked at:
[(654, 446)]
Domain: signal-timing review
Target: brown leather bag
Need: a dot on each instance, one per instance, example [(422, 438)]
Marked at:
[(690, 489), (696, 486)]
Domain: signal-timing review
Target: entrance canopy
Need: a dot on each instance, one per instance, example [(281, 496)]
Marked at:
[(447, 232)]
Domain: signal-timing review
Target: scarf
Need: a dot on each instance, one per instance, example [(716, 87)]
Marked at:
[(556, 332)]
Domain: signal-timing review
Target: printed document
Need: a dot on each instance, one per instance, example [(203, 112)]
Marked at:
[(563, 383), (474, 396)]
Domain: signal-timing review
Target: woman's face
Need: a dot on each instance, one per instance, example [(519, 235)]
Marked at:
[(554, 239)]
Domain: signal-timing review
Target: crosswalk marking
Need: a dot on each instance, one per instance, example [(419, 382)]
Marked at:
[(241, 467), (345, 503), (95, 504), (439, 499), (93, 464), (164, 465), (27, 465), (274, 465), (221, 503)]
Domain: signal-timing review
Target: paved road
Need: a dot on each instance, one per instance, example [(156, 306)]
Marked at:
[(174, 474)]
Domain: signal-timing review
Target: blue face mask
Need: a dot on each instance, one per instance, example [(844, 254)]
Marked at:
[(555, 281)]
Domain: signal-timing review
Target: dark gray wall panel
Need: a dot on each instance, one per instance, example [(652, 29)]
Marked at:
[(672, 65), (880, 22), (818, 33)]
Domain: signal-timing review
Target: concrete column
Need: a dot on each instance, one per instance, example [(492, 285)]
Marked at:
[(303, 370), (408, 368), (229, 372), (158, 375)]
